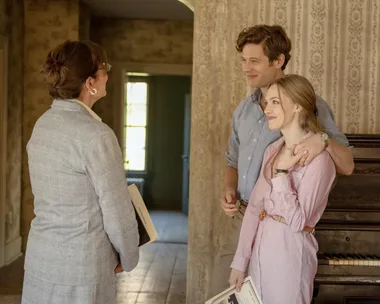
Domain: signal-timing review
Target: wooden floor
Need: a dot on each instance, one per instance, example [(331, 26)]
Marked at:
[(160, 276)]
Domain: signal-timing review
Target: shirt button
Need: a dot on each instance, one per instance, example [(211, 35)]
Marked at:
[(259, 121), (254, 140), (249, 158), (244, 176)]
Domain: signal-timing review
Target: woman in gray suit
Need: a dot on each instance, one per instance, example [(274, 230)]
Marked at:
[(85, 224)]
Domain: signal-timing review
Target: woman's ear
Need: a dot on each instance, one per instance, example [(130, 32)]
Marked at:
[(297, 108), (89, 83)]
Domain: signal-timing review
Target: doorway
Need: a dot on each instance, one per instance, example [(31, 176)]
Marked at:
[(156, 136)]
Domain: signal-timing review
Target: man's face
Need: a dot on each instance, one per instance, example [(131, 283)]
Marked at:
[(259, 71)]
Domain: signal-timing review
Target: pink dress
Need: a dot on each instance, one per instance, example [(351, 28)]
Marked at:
[(283, 258)]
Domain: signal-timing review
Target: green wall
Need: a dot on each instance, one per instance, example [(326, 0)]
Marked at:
[(165, 139)]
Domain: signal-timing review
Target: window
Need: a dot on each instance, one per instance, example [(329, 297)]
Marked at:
[(135, 130)]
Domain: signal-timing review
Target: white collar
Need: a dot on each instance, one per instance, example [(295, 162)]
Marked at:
[(93, 114)]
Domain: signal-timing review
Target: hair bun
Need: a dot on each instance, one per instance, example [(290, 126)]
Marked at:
[(53, 64), (54, 71)]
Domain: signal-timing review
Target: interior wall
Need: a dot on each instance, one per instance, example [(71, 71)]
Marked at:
[(335, 45), (138, 41), (2, 134), (11, 30), (47, 24), (217, 88), (165, 140), (15, 34), (84, 21)]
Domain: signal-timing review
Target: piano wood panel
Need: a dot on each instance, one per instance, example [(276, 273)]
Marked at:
[(351, 225)]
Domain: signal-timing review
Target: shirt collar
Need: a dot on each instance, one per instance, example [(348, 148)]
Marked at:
[(93, 114), (256, 95)]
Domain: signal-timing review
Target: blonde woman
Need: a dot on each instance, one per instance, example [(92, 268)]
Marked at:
[(276, 237)]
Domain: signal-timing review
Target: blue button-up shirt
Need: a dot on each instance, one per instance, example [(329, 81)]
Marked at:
[(251, 136)]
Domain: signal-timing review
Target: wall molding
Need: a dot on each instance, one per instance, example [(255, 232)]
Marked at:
[(156, 68), (3, 142)]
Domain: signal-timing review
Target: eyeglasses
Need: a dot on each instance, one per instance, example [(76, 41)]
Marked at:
[(106, 66)]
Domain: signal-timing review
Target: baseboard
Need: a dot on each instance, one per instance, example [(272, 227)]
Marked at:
[(165, 205), (13, 250)]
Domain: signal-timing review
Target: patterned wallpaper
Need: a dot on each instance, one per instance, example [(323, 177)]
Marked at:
[(84, 21), (15, 33), (153, 41), (335, 44), (3, 17), (142, 41), (47, 23)]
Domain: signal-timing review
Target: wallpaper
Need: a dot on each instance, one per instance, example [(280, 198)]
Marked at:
[(141, 41), (335, 44), (15, 33), (47, 23)]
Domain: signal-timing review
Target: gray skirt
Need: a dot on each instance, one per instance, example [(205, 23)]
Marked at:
[(37, 291)]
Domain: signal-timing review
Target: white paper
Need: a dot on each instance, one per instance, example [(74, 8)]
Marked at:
[(247, 295)]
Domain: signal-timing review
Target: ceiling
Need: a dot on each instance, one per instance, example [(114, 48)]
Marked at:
[(141, 9)]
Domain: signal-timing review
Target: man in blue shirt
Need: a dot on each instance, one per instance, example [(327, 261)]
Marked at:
[(265, 52)]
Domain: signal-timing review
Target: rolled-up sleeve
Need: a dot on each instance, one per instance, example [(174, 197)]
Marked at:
[(232, 155), (104, 165), (299, 207), (326, 118)]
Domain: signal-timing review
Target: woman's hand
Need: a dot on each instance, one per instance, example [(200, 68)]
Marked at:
[(236, 278), (288, 159)]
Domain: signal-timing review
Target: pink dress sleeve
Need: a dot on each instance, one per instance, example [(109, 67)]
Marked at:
[(305, 206), (250, 222)]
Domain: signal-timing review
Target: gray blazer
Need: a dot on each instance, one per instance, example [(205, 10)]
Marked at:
[(84, 218)]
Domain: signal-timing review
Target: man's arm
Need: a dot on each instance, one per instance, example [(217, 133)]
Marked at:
[(342, 157), (231, 178), (338, 144), (228, 199)]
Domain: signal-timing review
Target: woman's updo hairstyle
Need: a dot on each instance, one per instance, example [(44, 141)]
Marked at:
[(68, 66)]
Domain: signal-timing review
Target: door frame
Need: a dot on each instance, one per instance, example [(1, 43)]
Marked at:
[(3, 142), (121, 69), (186, 156)]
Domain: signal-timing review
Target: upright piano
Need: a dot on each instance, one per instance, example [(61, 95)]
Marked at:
[(349, 232)]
